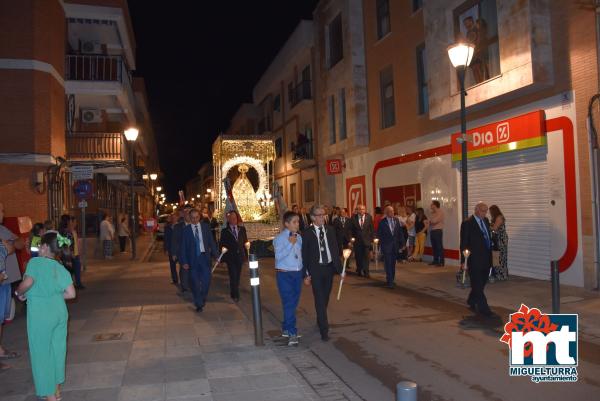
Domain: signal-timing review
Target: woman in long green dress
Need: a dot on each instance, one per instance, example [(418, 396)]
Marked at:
[(45, 286)]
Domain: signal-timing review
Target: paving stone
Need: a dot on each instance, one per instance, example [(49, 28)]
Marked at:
[(149, 392), (190, 388)]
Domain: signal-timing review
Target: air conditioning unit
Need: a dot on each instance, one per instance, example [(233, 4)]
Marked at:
[(91, 116), (91, 47)]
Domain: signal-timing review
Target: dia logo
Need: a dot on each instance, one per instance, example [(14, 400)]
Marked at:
[(542, 346)]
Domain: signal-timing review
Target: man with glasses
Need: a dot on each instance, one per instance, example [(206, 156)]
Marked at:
[(476, 236), (321, 258), (197, 248)]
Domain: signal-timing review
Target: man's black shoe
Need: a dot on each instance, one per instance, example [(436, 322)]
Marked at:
[(325, 337), (433, 264), (199, 308), (367, 275), (236, 299)]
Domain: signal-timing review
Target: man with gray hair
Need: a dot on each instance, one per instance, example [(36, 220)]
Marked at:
[(320, 259), (476, 237)]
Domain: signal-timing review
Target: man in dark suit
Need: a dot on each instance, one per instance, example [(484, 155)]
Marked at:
[(343, 229), (391, 240), (234, 238), (304, 219), (167, 243), (362, 230), (197, 248), (475, 235), (176, 240), (321, 259)]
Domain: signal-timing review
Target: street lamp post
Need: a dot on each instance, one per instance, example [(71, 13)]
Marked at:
[(131, 134), (460, 56)]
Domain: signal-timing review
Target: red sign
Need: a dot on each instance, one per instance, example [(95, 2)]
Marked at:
[(334, 166), (516, 133), (355, 192)]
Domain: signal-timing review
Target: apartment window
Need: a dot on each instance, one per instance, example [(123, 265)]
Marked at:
[(277, 103), (331, 105), (476, 21), (293, 193), (342, 104), (309, 190), (291, 94), (334, 45), (386, 84), (422, 80), (417, 5), (383, 18), (278, 147)]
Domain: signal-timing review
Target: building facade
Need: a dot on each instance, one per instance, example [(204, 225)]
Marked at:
[(533, 73), (66, 69)]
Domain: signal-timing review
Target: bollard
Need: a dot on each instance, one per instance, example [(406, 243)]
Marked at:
[(256, 307), (555, 286), (406, 391)]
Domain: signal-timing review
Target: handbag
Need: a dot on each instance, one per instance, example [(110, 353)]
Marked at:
[(495, 258)]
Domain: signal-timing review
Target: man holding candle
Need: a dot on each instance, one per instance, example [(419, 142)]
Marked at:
[(234, 238), (197, 247), (475, 236), (321, 258), (288, 270)]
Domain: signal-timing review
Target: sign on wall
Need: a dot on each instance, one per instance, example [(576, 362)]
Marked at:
[(522, 132), (334, 166), (355, 192)]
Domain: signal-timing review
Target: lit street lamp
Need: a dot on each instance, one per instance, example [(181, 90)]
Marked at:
[(158, 189), (131, 134), (153, 176), (460, 56)]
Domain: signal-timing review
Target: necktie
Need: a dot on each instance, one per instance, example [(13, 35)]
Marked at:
[(197, 235), (362, 221), (392, 225), (235, 232), (324, 258), (485, 234)]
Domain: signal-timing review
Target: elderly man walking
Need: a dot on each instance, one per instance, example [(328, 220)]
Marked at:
[(391, 239)]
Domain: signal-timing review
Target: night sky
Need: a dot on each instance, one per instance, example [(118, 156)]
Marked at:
[(200, 61)]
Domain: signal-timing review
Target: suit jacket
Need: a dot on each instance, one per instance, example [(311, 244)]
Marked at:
[(390, 242), (236, 251), (303, 225), (188, 251), (168, 237), (311, 250), (471, 238), (364, 235), (176, 238), (343, 231)]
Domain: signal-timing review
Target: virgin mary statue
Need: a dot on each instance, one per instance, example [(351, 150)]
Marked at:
[(245, 196)]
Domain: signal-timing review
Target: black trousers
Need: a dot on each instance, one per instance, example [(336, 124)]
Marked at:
[(122, 243), (322, 282), (235, 271), (479, 278), (362, 258)]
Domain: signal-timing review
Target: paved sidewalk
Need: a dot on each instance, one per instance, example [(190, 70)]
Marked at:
[(131, 338), (505, 296)]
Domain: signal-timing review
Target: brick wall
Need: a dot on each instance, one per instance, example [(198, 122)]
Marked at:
[(19, 196)]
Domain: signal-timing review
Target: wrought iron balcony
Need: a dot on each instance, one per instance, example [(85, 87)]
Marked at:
[(102, 146), (302, 154), (94, 67), (301, 92)]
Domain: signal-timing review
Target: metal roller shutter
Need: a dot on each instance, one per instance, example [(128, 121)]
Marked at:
[(517, 182)]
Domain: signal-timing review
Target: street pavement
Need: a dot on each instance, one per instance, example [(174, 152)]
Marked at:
[(422, 332), (132, 338)]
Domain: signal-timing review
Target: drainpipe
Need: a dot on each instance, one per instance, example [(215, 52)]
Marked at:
[(593, 149)]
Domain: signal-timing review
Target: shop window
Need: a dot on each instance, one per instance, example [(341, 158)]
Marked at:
[(386, 82), (309, 190), (476, 22), (383, 18), (422, 80)]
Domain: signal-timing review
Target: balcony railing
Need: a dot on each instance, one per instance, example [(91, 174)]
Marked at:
[(302, 151), (106, 146), (301, 92), (94, 67), (264, 125)]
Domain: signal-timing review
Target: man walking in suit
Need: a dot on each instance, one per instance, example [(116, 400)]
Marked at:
[(343, 229), (233, 237), (167, 245), (176, 240), (321, 258), (197, 248), (363, 233), (304, 219), (391, 240), (475, 235)]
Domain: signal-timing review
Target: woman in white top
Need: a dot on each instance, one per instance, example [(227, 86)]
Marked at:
[(123, 234), (107, 235)]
